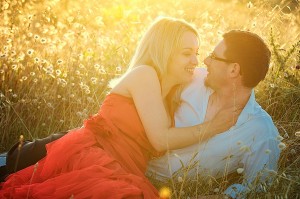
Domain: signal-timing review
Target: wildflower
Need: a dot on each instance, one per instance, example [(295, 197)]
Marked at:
[(249, 4), (24, 78), (5, 48), (281, 146), (279, 138), (180, 179), (58, 72), (297, 134), (240, 170), (87, 91), (216, 190), (94, 80), (272, 85), (63, 83), (80, 56), (118, 69), (70, 19), (102, 71), (245, 148), (165, 193), (43, 40), (14, 95), (271, 172), (96, 66), (1, 71), (32, 73), (35, 80), (59, 61), (30, 52), (72, 96), (3, 55), (36, 37), (81, 66), (36, 60), (79, 114), (58, 96), (293, 151), (268, 151)]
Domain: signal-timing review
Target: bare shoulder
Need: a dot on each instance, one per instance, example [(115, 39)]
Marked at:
[(143, 71), (142, 75)]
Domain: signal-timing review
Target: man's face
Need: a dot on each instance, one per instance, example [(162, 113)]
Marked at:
[(217, 67)]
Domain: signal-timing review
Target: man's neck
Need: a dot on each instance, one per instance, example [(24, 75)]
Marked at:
[(235, 98), (229, 97)]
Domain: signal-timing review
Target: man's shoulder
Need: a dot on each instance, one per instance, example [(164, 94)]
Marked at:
[(261, 122)]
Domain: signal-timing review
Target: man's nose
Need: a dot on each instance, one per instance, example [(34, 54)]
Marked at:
[(207, 61)]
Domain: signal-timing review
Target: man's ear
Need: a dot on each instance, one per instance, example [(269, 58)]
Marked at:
[(234, 70)]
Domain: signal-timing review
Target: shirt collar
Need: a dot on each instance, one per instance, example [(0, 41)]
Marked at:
[(248, 110)]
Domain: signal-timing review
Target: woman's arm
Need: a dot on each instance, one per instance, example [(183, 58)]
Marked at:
[(144, 87)]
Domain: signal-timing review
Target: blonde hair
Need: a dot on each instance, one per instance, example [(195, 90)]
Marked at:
[(159, 42), (156, 48)]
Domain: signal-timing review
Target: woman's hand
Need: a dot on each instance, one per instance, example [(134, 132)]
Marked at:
[(225, 119)]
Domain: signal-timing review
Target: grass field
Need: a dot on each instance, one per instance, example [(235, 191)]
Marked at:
[(56, 58)]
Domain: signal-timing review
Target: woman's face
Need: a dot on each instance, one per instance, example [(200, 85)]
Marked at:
[(184, 60)]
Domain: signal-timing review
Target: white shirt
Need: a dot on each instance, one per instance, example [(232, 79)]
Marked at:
[(251, 144)]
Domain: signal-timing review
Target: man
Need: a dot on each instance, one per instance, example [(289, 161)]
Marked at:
[(237, 64)]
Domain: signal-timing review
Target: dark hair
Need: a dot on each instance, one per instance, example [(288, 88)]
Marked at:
[(250, 52)]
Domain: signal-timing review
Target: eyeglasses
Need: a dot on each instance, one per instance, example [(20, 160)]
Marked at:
[(213, 56)]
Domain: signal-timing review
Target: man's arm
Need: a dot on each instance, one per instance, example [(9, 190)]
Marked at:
[(262, 157)]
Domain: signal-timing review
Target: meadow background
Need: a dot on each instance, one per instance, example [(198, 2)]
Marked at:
[(57, 56)]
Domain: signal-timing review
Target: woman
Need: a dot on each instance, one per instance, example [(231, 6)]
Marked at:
[(107, 157)]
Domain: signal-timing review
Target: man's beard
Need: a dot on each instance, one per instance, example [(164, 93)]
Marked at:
[(206, 82)]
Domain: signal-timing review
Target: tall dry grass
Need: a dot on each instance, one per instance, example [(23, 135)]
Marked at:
[(56, 58)]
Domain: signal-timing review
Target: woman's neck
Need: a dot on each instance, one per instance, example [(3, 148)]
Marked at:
[(166, 85)]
